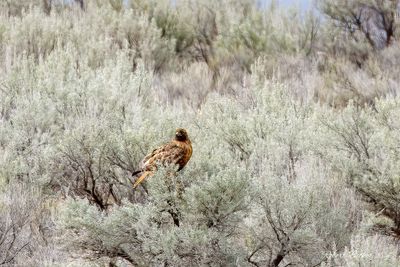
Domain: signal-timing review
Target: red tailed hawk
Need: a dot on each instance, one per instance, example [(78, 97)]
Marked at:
[(178, 152)]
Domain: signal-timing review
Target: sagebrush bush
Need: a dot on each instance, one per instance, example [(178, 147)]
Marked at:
[(366, 251)]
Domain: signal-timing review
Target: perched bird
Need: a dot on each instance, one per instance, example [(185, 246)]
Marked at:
[(178, 152)]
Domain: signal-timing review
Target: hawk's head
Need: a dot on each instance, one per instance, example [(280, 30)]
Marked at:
[(181, 134)]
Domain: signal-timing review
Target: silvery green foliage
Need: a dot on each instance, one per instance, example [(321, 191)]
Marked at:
[(367, 140), (275, 179), (373, 20), (254, 193), (23, 231), (273, 137), (109, 31), (367, 251), (146, 234)]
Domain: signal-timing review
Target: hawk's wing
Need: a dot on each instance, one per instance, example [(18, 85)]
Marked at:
[(174, 152), (170, 153)]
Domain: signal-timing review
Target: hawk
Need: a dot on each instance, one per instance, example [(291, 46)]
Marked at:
[(178, 152)]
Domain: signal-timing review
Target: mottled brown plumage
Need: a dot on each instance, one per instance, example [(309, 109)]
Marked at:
[(178, 152)]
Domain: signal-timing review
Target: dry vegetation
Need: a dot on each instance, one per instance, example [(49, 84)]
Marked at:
[(294, 119)]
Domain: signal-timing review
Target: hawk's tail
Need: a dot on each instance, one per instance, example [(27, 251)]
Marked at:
[(141, 178)]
